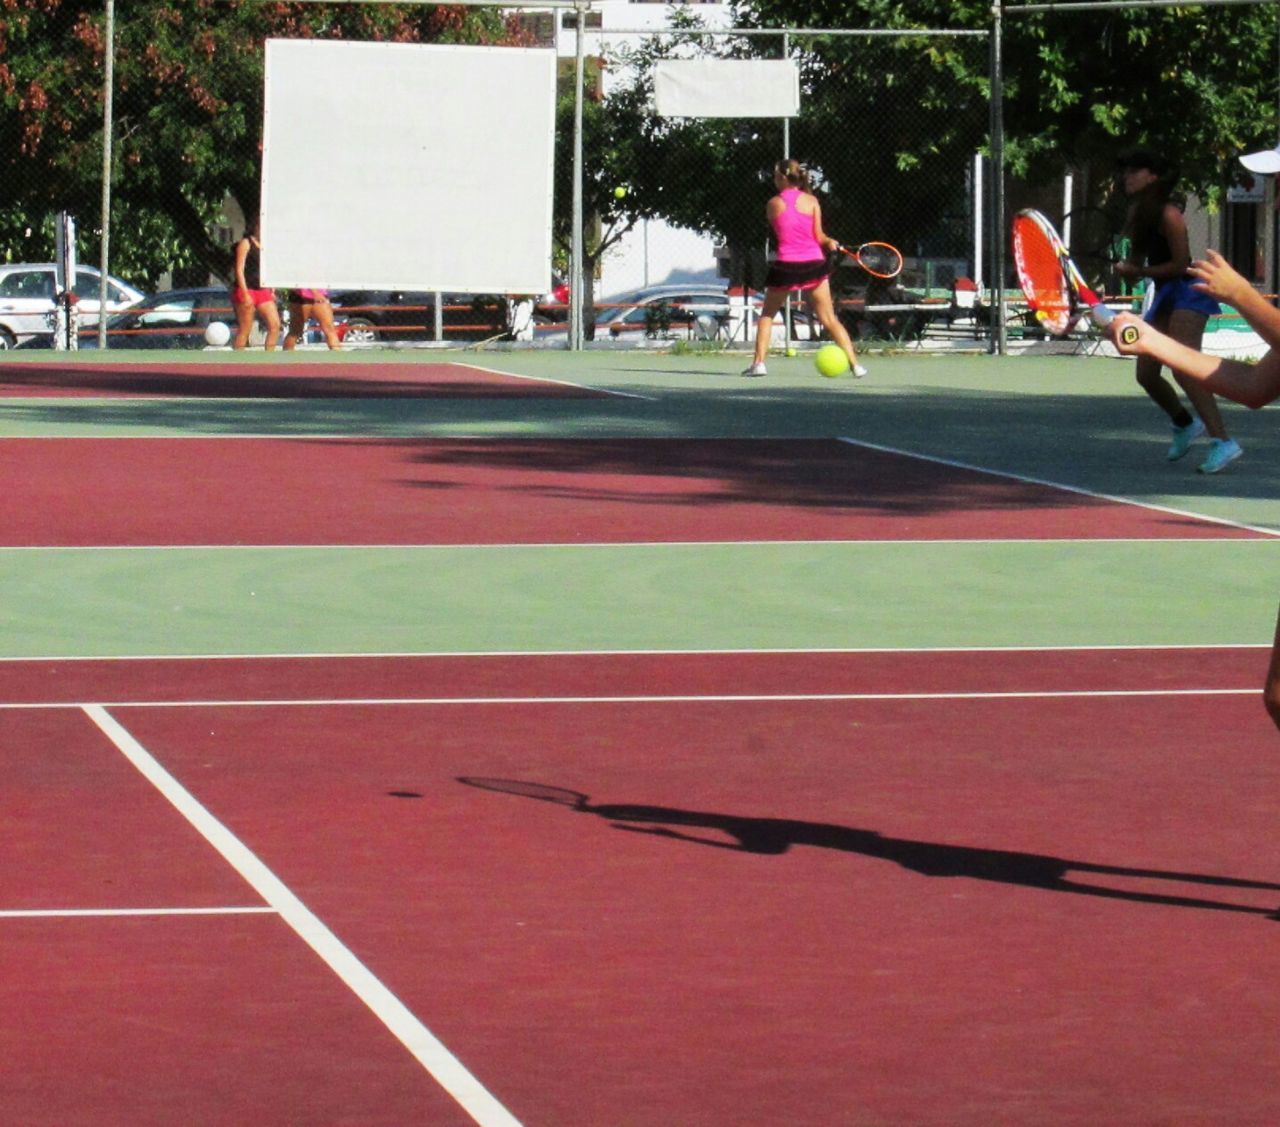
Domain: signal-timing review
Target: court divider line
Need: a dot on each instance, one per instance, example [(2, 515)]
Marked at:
[(1079, 490), (77, 913), (607, 545), (429, 1051), (671, 698), (767, 651)]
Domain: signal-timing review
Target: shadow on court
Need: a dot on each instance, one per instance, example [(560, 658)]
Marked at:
[(775, 836), (289, 380)]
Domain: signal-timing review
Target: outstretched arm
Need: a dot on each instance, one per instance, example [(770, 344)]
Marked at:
[(1220, 281), (1254, 385)]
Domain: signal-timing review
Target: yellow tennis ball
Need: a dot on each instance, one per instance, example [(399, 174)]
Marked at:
[(791, 351), (620, 192), (831, 361)]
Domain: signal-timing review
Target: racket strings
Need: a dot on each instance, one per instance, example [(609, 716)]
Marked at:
[(880, 259), (1041, 275)]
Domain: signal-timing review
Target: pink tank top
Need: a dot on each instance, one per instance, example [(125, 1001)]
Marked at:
[(794, 231)]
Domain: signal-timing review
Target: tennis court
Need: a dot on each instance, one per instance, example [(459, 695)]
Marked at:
[(603, 738)]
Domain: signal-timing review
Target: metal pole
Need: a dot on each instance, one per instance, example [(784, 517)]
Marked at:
[(1068, 194), (576, 255), (1270, 193), (997, 176), (1112, 5), (978, 205), (786, 155), (108, 81)]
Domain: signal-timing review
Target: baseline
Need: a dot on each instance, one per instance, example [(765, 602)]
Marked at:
[(403, 1024)]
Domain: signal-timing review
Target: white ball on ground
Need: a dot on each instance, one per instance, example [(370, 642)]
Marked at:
[(217, 335)]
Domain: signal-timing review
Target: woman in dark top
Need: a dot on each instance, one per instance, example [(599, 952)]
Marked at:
[(1159, 250)]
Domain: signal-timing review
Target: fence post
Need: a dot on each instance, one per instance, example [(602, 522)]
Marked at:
[(575, 254), (1001, 337), (108, 86)]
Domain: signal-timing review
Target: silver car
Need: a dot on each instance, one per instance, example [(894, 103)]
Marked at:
[(27, 299), (697, 311)]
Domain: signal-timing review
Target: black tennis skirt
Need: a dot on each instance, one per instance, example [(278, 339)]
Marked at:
[(797, 275)]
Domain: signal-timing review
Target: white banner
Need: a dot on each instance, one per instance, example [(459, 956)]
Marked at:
[(727, 88), (407, 166)]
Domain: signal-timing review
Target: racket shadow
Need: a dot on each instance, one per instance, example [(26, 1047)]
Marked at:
[(775, 836)]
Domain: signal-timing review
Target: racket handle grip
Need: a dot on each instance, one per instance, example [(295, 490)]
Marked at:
[(1102, 317)]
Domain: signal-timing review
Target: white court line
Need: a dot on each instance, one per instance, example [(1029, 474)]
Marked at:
[(447, 1070), (629, 545), (653, 698), (765, 652), (954, 464), (76, 913), (548, 379)]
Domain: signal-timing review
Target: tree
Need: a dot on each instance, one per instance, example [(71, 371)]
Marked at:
[(1080, 87), (187, 109), (903, 112), (891, 123)]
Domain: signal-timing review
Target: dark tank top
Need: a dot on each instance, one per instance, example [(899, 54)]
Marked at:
[(251, 267)]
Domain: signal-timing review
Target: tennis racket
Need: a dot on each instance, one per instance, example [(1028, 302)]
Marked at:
[(878, 259), (1091, 232), (1051, 282)]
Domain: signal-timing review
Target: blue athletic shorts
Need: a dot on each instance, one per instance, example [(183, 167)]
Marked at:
[(1176, 293)]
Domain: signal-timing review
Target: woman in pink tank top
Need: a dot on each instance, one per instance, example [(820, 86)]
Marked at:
[(801, 263)]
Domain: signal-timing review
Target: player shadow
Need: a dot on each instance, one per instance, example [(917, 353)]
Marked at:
[(775, 836)]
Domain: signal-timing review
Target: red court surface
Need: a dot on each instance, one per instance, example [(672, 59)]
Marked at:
[(108, 492), (933, 909), (285, 380)]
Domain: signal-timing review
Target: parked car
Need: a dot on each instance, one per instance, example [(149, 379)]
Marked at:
[(701, 312), (170, 319), (393, 315), (27, 299)]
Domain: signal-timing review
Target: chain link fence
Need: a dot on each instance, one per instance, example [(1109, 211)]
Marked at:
[(891, 126)]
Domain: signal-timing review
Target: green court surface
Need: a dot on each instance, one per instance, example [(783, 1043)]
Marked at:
[(1073, 421), (74, 602)]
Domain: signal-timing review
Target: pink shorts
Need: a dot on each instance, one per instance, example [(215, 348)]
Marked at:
[(257, 297)]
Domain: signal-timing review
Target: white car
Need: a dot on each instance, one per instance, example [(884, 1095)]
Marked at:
[(27, 305), (702, 312)]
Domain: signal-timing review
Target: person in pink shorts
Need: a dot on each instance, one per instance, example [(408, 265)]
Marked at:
[(310, 305), (248, 297)]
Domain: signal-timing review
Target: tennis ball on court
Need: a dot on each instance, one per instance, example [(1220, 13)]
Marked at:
[(791, 351), (619, 192), (831, 361)]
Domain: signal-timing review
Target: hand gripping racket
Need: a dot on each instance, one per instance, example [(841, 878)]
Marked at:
[(878, 259), (1050, 281)]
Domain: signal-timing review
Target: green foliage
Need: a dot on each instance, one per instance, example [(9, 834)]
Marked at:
[(1079, 88), (872, 111), (187, 108)]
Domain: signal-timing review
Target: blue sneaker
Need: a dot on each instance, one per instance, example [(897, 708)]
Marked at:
[(1183, 437), (1222, 452)]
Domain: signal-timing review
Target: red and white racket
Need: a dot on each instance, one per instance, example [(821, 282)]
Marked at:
[(1051, 282)]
